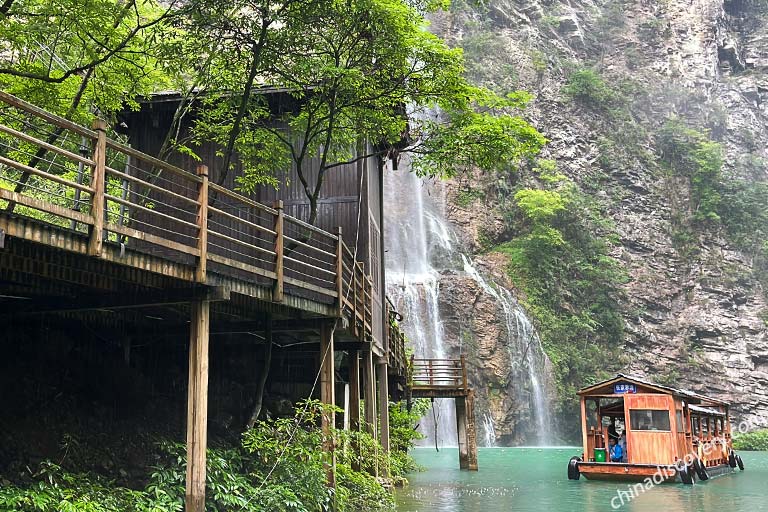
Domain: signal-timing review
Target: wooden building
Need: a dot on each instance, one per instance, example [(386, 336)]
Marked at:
[(105, 233)]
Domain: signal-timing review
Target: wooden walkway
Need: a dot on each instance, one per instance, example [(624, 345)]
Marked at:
[(447, 378), (73, 189)]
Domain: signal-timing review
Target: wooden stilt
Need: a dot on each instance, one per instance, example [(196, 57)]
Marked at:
[(197, 406), (328, 396), (354, 400), (471, 431), (381, 370), (461, 431), (369, 397)]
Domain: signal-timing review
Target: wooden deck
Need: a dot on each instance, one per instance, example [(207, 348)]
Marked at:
[(447, 378), (75, 191)]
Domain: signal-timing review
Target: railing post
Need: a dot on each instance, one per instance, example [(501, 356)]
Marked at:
[(202, 224), (95, 241), (354, 298), (277, 290), (340, 273)]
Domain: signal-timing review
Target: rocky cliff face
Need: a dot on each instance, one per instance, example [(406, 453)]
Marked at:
[(694, 308)]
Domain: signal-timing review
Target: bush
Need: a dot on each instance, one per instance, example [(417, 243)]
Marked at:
[(588, 87), (279, 467), (752, 441)]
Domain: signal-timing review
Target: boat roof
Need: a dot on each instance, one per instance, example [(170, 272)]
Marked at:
[(691, 396), (704, 410)]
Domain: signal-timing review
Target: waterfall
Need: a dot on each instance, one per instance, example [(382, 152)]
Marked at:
[(421, 244), (416, 233), (526, 355)]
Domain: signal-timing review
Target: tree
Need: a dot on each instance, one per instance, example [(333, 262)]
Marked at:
[(367, 80)]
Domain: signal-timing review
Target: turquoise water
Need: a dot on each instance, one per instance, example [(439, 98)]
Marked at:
[(534, 479)]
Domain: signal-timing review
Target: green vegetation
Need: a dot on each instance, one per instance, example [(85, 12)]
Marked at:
[(588, 87), (279, 466), (690, 153), (751, 441), (571, 284)]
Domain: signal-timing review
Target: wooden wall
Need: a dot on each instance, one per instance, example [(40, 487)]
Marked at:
[(648, 446), (338, 205)]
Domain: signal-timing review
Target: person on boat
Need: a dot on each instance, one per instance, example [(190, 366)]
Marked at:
[(616, 453), (623, 446)]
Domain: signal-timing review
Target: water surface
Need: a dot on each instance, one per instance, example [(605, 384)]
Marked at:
[(534, 479)]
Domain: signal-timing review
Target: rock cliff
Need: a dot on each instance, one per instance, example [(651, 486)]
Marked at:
[(694, 308)]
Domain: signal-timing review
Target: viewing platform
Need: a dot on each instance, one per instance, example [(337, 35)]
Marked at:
[(447, 378)]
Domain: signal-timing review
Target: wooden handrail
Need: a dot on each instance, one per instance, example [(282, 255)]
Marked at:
[(188, 208)]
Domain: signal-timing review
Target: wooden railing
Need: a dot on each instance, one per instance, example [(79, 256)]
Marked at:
[(77, 178), (439, 373)]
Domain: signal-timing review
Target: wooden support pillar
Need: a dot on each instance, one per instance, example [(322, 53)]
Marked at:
[(197, 406), (461, 431), (369, 393), (382, 370), (354, 399), (466, 431), (471, 431), (328, 396)]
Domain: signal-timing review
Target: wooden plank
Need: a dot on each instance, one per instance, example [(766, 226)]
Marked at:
[(127, 150), (49, 147), (310, 247), (197, 407), (293, 220), (240, 220), (340, 277), (151, 186), (310, 266), (240, 265), (43, 174), (45, 115), (246, 201), (150, 211), (309, 286), (239, 242), (152, 239), (44, 206)]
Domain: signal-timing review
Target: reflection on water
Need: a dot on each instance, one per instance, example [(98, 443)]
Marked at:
[(534, 479)]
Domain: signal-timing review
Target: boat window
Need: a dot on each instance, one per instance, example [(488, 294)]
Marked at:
[(649, 419), (591, 411), (695, 425), (679, 420)]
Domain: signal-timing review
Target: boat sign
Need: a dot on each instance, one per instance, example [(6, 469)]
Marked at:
[(624, 387)]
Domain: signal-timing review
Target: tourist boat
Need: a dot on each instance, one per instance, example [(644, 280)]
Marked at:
[(667, 434)]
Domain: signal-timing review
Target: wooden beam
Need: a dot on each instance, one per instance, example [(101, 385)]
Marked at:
[(461, 431), (117, 301), (328, 396), (369, 393), (383, 375), (471, 431), (197, 407), (353, 359)]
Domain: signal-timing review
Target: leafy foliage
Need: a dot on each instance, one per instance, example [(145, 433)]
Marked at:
[(561, 261), (279, 466), (690, 153), (751, 441), (587, 86)]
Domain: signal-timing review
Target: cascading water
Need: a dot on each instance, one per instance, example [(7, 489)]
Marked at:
[(420, 245), (415, 234), (526, 355)]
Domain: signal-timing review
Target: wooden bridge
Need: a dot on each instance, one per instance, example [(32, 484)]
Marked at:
[(447, 378), (90, 224)]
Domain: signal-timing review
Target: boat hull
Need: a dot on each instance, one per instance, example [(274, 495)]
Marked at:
[(658, 473)]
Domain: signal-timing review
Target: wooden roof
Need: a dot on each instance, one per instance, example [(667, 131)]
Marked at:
[(690, 396)]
